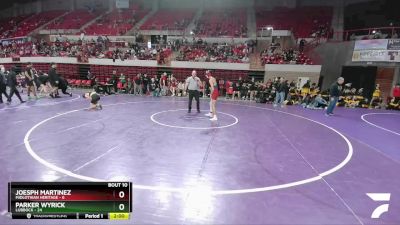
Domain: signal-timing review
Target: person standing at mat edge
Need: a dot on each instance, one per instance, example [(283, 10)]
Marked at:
[(3, 83), (30, 81), (213, 97), (334, 94), (12, 83), (193, 85), (54, 80)]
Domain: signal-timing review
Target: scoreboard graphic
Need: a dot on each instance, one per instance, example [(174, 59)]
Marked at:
[(70, 200)]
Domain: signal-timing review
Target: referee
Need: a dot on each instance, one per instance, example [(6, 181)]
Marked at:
[(193, 85)]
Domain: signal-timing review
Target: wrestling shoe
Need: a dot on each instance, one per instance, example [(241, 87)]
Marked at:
[(214, 118), (208, 114)]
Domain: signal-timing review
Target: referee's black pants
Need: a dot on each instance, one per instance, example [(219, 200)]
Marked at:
[(3, 92), (196, 95), (14, 90)]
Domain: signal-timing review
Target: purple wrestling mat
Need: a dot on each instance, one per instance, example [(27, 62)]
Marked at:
[(255, 165)]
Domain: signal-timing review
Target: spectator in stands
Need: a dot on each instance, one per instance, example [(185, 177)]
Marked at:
[(377, 34), (302, 44), (276, 55)]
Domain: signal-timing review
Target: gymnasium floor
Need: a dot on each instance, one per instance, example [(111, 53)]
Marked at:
[(256, 165)]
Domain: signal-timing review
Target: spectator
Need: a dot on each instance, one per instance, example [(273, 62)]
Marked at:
[(396, 92), (335, 92), (280, 92), (114, 80), (302, 44), (154, 88), (318, 103), (181, 91), (129, 86)]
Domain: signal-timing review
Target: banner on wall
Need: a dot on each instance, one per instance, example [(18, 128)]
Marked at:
[(18, 40), (375, 44), (370, 55), (379, 50), (393, 44)]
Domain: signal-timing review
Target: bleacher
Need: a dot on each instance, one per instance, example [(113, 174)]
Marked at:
[(169, 20), (74, 19), (279, 58), (214, 23), (9, 25), (117, 22), (33, 22), (302, 21)]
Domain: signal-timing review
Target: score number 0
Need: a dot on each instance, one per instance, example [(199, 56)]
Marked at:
[(121, 206)]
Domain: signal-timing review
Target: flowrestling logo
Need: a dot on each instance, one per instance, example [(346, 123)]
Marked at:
[(379, 197)]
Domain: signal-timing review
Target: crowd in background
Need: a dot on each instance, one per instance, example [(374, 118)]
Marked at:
[(102, 48), (275, 54), (204, 52), (278, 91), (83, 50)]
